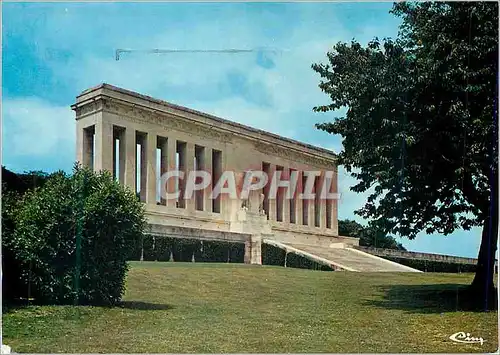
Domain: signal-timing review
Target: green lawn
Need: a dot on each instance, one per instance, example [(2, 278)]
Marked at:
[(234, 308)]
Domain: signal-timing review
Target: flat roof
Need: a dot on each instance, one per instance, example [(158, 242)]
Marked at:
[(206, 115)]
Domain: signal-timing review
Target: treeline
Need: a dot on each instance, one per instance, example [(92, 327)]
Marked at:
[(369, 236)]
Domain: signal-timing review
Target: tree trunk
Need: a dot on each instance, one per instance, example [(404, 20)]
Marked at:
[(482, 286)]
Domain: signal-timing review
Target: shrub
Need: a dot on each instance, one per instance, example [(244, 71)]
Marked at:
[(11, 272), (136, 252), (434, 266), (213, 251), (272, 255), (183, 249), (236, 252), (163, 248), (44, 239), (298, 261), (148, 245)]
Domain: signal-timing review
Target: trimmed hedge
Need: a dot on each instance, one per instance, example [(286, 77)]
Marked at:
[(272, 255), (237, 253), (217, 252), (161, 249), (183, 249), (148, 248), (157, 248), (434, 266)]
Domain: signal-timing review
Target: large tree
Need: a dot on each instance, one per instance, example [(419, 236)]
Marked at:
[(420, 130)]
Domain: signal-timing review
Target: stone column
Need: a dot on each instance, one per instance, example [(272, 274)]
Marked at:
[(116, 173), (253, 250), (163, 145), (103, 146), (298, 191), (122, 149), (237, 204), (311, 206), (190, 203), (143, 175), (208, 190), (272, 199), (335, 202), (285, 175), (85, 145), (151, 180), (130, 158), (322, 202), (225, 206), (171, 157), (80, 142)]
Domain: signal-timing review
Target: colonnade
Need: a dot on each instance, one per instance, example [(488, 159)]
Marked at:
[(138, 159), (133, 156), (315, 212)]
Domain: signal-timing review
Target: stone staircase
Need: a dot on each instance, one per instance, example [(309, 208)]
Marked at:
[(341, 257)]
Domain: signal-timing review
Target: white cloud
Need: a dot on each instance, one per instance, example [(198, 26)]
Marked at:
[(36, 128)]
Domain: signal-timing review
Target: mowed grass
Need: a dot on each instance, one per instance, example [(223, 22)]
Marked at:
[(234, 308)]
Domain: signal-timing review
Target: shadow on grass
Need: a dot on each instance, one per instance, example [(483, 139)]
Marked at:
[(14, 305), (135, 305), (144, 306), (438, 298)]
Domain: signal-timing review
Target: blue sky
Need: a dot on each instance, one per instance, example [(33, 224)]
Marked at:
[(53, 51)]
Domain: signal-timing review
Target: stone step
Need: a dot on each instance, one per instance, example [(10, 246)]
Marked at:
[(347, 258)]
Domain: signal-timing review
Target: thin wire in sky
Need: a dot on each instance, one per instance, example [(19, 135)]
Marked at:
[(221, 51)]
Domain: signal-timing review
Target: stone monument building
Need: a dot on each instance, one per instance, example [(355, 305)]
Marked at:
[(139, 138)]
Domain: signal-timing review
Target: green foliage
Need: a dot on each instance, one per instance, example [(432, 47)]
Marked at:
[(12, 182), (11, 273), (149, 253), (158, 248), (272, 255), (298, 261), (425, 112), (424, 105), (44, 238), (215, 252), (434, 266), (184, 249), (371, 236), (34, 179), (20, 183), (237, 253), (163, 248), (301, 262)]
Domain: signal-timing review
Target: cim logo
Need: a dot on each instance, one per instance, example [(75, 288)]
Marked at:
[(462, 337)]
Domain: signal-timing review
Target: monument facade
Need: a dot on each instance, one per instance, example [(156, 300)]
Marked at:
[(139, 139)]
